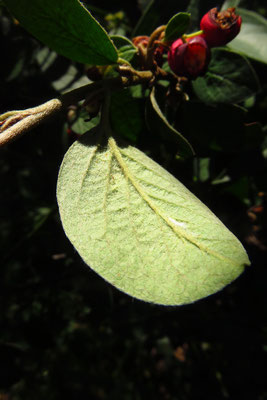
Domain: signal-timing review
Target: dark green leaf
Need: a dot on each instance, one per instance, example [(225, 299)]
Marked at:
[(125, 47), (159, 125), (254, 136), (230, 79), (143, 4), (230, 3), (126, 115), (212, 128), (177, 26), (67, 27), (157, 13)]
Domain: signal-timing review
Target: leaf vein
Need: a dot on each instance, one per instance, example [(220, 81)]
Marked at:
[(181, 233)]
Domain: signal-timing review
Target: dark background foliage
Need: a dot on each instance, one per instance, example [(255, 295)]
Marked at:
[(65, 332)]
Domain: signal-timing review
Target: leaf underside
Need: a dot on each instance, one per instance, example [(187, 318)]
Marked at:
[(140, 228), (67, 27)]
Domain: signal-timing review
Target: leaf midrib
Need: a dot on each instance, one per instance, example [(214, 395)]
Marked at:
[(177, 230)]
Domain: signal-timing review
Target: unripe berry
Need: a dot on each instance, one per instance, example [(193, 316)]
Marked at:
[(220, 27), (190, 58)]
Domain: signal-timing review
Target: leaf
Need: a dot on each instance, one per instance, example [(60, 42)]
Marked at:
[(140, 228), (159, 125), (61, 72), (82, 125), (230, 3), (127, 116), (230, 79), (177, 26), (213, 129), (252, 39), (67, 27), (126, 49), (156, 14), (143, 4)]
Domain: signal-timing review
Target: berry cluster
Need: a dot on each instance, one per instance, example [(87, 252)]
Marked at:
[(189, 57)]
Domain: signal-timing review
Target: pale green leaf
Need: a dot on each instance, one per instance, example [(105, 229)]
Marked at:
[(252, 39), (67, 27), (140, 228)]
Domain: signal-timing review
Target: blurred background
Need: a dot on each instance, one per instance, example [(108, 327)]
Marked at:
[(65, 333)]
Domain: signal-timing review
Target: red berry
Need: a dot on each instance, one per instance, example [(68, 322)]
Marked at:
[(189, 59), (220, 27)]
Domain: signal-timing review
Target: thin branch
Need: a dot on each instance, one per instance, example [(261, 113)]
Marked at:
[(16, 123), (152, 44)]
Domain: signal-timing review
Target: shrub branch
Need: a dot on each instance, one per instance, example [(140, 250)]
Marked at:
[(15, 123)]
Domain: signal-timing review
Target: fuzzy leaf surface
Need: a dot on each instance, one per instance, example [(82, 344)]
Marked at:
[(67, 27), (140, 228)]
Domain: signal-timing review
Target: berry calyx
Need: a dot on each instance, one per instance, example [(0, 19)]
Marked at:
[(220, 27)]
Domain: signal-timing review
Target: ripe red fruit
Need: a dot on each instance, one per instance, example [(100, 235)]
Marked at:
[(220, 27), (189, 59)]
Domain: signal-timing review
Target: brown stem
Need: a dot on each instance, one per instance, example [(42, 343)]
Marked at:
[(155, 35), (16, 123), (152, 45)]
